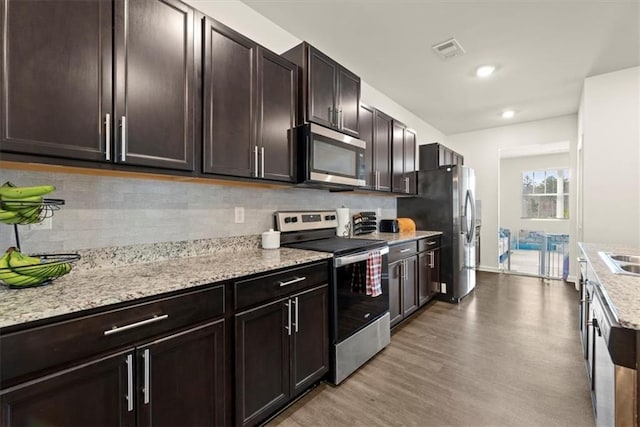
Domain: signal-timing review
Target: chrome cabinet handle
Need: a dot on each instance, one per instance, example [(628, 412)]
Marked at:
[(129, 361), (431, 243), (341, 117), (331, 116), (297, 317), (118, 329), (288, 327), (405, 250), (431, 259), (406, 184), (295, 313), (292, 281), (107, 136), (123, 139), (145, 387), (255, 161), (262, 162)]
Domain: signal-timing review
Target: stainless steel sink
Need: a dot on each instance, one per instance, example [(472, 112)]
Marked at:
[(626, 258), (622, 264), (631, 268)]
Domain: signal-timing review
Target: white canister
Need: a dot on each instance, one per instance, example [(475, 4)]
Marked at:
[(271, 239)]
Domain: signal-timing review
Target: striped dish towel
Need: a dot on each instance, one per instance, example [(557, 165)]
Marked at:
[(374, 273)]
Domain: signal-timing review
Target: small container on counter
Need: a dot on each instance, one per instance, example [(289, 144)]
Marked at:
[(271, 239)]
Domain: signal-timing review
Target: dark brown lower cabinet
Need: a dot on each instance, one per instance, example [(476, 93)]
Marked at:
[(428, 275), (174, 380), (281, 349), (181, 378), (403, 296), (89, 394)]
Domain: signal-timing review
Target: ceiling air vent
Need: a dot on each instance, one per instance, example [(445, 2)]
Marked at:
[(448, 49)]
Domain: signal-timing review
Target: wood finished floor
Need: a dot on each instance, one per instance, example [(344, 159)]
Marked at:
[(508, 355)]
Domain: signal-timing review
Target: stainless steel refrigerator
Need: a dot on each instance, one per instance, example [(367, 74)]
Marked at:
[(446, 202)]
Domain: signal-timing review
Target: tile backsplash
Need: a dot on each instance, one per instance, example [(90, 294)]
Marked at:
[(105, 211)]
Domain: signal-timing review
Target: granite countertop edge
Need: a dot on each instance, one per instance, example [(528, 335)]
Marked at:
[(621, 291), (394, 238), (84, 290)]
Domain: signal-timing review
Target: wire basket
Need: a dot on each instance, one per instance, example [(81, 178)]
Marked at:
[(50, 268), (28, 212)]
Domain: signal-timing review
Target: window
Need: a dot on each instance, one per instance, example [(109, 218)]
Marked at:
[(545, 194)]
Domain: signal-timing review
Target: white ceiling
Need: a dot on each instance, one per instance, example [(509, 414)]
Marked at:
[(543, 50)]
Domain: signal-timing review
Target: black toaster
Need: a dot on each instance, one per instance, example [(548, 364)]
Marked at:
[(389, 226)]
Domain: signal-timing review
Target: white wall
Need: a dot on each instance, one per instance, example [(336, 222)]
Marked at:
[(610, 127), (250, 23), (481, 152), (511, 169)]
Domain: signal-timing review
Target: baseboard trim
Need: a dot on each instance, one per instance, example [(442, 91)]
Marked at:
[(489, 269)]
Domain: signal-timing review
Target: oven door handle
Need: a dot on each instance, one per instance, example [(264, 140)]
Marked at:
[(352, 259)]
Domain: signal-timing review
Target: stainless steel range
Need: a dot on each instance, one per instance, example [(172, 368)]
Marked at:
[(359, 322)]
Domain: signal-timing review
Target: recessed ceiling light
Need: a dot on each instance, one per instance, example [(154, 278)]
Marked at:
[(485, 70), (508, 114)]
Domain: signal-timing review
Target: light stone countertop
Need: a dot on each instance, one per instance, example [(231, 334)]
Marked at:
[(392, 238), (84, 289), (621, 291)]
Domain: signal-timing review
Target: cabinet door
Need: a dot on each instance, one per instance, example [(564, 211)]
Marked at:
[(56, 77), (395, 292), (424, 277), (410, 286), (262, 361), (91, 394), (410, 160), (155, 83), (397, 156), (434, 274), (181, 378), (228, 84), (321, 95), (310, 338), (276, 115), (382, 150), (348, 102), (366, 134)]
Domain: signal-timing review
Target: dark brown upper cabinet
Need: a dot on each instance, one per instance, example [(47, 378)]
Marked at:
[(66, 64), (56, 78), (376, 131), (403, 158), (154, 83), (330, 94), (249, 110)]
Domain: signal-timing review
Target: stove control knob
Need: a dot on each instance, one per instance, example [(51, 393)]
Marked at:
[(333, 217), (294, 219), (287, 220), (327, 217)]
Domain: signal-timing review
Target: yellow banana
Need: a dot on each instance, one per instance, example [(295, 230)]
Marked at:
[(13, 204), (7, 214), (22, 192), (18, 259), (14, 279)]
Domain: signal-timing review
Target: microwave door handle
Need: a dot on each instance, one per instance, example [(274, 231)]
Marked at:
[(359, 257)]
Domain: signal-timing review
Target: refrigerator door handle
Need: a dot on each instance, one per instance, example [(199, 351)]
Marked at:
[(469, 226)]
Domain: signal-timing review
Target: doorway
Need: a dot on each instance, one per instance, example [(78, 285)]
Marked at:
[(534, 211)]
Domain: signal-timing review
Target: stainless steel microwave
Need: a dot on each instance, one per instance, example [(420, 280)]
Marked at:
[(330, 159)]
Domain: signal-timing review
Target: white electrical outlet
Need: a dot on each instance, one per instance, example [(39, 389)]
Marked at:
[(239, 215), (44, 225), (379, 213)]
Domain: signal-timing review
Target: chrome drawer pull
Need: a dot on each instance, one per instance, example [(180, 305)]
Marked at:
[(117, 329), (405, 250), (107, 136), (431, 243), (292, 281)]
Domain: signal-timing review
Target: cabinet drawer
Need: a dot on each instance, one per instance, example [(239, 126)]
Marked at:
[(402, 250), (265, 287), (428, 243), (32, 350)]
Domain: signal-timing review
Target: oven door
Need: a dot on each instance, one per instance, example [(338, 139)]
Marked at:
[(354, 308), (331, 157)]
